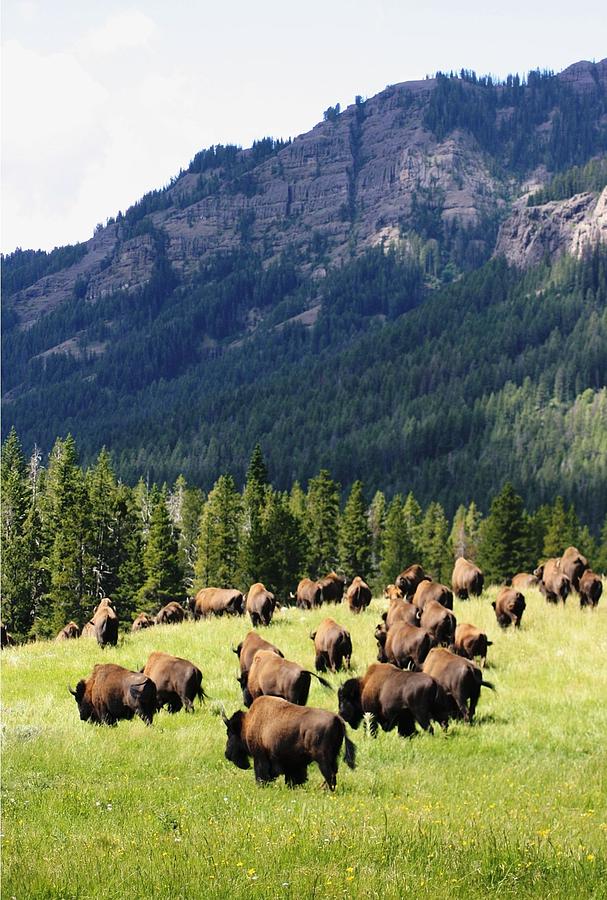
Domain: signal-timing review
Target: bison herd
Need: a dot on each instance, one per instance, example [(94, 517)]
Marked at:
[(426, 670)]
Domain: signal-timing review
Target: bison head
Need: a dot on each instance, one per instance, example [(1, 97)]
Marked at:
[(236, 750), (85, 707), (350, 706)]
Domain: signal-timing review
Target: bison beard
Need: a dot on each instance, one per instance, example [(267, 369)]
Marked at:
[(284, 739)]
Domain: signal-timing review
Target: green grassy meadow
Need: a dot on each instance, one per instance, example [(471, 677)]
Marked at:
[(513, 806)]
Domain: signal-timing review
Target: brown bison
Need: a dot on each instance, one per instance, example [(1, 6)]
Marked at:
[(573, 565), (439, 621), (461, 679), (178, 681), (403, 645), (358, 595), (68, 632), (408, 581), (332, 587), (6, 639), (470, 642), (105, 623), (523, 581), (591, 588), (272, 675), (171, 614), (466, 579), (143, 621), (554, 584), (111, 693), (260, 604), (432, 590), (284, 739), (249, 646), (213, 601), (401, 611), (88, 630), (333, 646), (395, 699), (509, 607), (308, 594), (391, 592)]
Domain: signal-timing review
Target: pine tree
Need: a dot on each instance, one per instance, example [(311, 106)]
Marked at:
[(193, 502), (473, 523), (397, 546), (18, 557), (163, 575), (284, 551), (561, 530), (503, 540), (412, 513), (599, 564), (377, 521), (434, 538), (129, 537), (322, 520), (253, 541), (458, 538), (219, 536), (354, 538), (103, 543)]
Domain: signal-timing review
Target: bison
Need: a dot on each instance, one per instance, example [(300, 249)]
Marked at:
[(401, 611), (212, 601), (461, 679), (260, 604), (395, 699), (272, 674), (554, 584), (466, 579), (248, 647), (470, 642), (573, 565), (358, 595), (171, 614), (509, 607), (591, 588), (88, 630), (332, 587), (68, 632), (284, 739), (105, 623), (333, 646), (308, 594), (111, 693), (178, 681), (403, 645), (408, 581), (143, 621), (439, 621), (524, 580), (6, 639), (391, 592), (432, 590)]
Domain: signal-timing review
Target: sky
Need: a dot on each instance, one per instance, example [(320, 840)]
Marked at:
[(103, 101)]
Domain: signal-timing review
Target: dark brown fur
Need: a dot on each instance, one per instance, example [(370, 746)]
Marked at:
[(171, 614), (105, 622), (470, 642), (272, 675), (467, 579), (214, 601), (461, 679), (332, 587), (432, 590), (591, 588), (178, 681), (111, 693), (333, 646), (439, 621), (260, 604), (358, 595), (308, 594), (408, 581), (509, 607), (403, 645)]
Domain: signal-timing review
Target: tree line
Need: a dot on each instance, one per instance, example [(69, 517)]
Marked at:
[(71, 535)]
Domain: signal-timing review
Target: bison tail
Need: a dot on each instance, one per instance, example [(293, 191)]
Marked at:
[(350, 752), (322, 680), (488, 684)]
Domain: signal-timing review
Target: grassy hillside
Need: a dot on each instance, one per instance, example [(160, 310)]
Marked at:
[(515, 805)]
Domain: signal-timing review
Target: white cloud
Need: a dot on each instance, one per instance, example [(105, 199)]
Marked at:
[(121, 31)]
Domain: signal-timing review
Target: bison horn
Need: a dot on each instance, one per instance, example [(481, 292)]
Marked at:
[(224, 718), (73, 693)]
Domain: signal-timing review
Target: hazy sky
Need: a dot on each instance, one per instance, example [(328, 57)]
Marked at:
[(103, 101)]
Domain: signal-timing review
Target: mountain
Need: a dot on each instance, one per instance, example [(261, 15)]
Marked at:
[(413, 293)]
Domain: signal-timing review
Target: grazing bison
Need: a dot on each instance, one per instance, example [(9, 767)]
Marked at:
[(509, 607), (308, 594), (105, 623), (591, 588), (88, 630), (432, 590), (470, 642), (439, 621), (213, 601), (68, 632), (111, 693), (260, 604), (332, 587), (395, 699), (401, 611), (333, 646), (403, 645), (6, 639), (573, 565), (461, 679), (554, 584), (171, 614), (272, 675), (178, 681), (142, 621), (248, 647), (358, 595), (408, 581), (284, 739), (391, 592), (466, 579), (524, 580)]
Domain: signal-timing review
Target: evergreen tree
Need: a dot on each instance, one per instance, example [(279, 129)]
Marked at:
[(103, 537), (503, 539), (297, 502), (599, 564), (129, 537), (284, 551), (163, 575), (473, 522), (18, 558), (412, 512), (457, 538), (537, 527), (434, 538), (219, 536), (322, 520), (253, 542), (397, 546), (354, 538), (562, 530), (193, 502), (377, 521)]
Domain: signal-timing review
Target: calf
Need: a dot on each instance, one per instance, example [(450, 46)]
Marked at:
[(470, 642), (509, 607), (403, 645), (111, 693), (284, 739), (591, 588), (178, 681), (461, 679), (68, 632), (333, 646), (272, 675), (171, 614)]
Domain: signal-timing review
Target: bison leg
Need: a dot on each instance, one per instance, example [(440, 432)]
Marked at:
[(406, 724), (296, 775), (263, 769), (328, 769), (321, 662)]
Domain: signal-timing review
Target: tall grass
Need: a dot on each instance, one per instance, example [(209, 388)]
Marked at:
[(513, 806)]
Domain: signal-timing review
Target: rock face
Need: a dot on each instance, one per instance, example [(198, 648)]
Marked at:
[(551, 229)]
